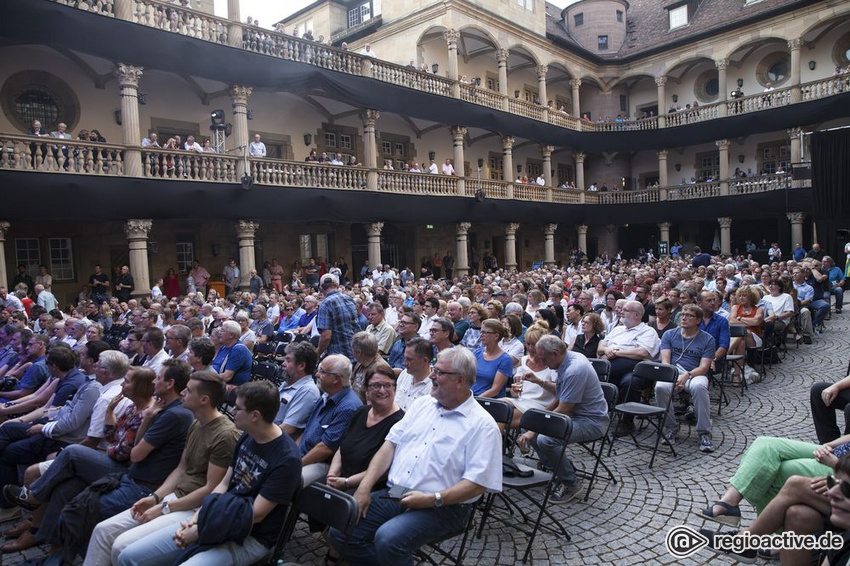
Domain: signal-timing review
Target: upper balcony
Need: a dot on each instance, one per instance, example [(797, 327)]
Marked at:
[(778, 108)]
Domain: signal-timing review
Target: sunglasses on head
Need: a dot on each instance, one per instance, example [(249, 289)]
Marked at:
[(832, 481)]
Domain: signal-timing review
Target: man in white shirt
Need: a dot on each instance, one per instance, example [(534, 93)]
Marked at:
[(448, 168), (415, 379), (444, 454), (45, 298), (429, 312), (432, 168), (541, 180), (367, 51), (152, 347), (257, 148)]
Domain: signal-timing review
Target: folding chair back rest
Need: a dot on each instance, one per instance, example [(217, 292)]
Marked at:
[(280, 348), (602, 367), (329, 506), (737, 330), (554, 425), (266, 370), (264, 348), (610, 391), (501, 411), (655, 371)]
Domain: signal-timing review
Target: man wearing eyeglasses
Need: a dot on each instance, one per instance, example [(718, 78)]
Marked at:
[(444, 454), (408, 327)]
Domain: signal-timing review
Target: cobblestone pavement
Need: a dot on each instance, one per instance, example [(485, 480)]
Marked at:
[(626, 523)]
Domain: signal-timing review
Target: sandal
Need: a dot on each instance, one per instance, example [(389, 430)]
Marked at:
[(731, 516)]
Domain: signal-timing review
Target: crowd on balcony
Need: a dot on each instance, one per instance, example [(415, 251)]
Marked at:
[(100, 383)]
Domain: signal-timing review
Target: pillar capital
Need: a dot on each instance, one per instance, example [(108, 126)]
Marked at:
[(128, 75), (794, 132), (452, 36), (4, 226), (795, 44), (665, 225), (722, 64), (239, 94), (511, 228), (246, 228), (373, 229), (796, 217), (611, 228), (546, 151), (725, 222), (137, 229), (458, 132), (723, 145), (463, 228), (581, 228), (507, 142), (662, 154), (542, 70), (579, 156), (661, 81), (369, 117), (502, 55), (575, 83), (550, 229)]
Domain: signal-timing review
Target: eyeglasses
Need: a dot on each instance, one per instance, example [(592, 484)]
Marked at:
[(378, 386), (689, 315), (320, 371), (832, 481), (435, 330), (237, 408), (438, 373), (488, 332)]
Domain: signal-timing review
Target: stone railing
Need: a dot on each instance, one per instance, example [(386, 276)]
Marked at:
[(491, 188), (536, 193), (572, 196), (27, 153), (300, 174), (628, 197), (417, 183), (178, 19), (176, 164), (695, 191), (749, 185), (181, 20)]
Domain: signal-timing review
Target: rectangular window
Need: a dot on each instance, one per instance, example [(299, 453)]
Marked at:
[(61, 259), (28, 252), (620, 16), (578, 19), (305, 244), (602, 42), (527, 4), (399, 149), (496, 165), (345, 141), (387, 147), (330, 139), (533, 169), (185, 256), (679, 17), (491, 81), (623, 103), (322, 246), (359, 14)]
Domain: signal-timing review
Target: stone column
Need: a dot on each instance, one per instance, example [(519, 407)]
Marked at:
[(579, 159), (722, 88), (370, 147), (510, 245), (541, 89), (137, 236), (128, 83), (662, 168), (546, 151), (461, 253), (796, 219), (373, 234), (796, 150), (239, 95), (794, 45), (4, 274), (245, 231), (452, 36), (457, 144), (124, 10), (575, 84), (234, 32), (502, 60), (723, 146), (662, 101), (508, 164), (725, 235), (549, 244), (582, 237), (664, 229)]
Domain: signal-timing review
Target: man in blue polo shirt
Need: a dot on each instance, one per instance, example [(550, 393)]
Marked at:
[(330, 417), (233, 361), (298, 394), (715, 325), (836, 281)]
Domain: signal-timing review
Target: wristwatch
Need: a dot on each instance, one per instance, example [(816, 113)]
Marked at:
[(438, 500), (165, 508)]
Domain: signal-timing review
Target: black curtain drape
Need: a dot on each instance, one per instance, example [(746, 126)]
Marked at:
[(831, 184)]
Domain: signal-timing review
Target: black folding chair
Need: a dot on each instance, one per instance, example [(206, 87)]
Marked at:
[(768, 345), (264, 350), (456, 558), (735, 361), (610, 391), (545, 423), (268, 371), (650, 372), (503, 413), (602, 368)]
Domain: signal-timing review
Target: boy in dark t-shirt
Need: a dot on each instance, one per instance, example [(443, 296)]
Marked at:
[(266, 466)]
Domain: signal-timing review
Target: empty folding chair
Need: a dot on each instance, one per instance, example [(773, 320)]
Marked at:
[(610, 391), (602, 368)]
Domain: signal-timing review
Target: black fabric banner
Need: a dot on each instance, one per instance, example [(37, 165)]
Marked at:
[(831, 182)]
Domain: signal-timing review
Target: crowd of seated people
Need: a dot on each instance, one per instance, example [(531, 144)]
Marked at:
[(119, 402)]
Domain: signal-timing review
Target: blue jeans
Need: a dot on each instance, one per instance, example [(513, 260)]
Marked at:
[(390, 533), (839, 297), (820, 309), (17, 448), (159, 548), (122, 498), (549, 449), (74, 469)]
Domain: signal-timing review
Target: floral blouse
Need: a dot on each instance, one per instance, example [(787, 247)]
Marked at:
[(122, 435)]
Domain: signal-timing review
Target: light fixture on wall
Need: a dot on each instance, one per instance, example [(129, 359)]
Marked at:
[(740, 83), (435, 68), (516, 94), (519, 168), (675, 98), (118, 118), (678, 167), (741, 158), (153, 247), (215, 249), (249, 114), (143, 98), (308, 139), (432, 155), (812, 65)]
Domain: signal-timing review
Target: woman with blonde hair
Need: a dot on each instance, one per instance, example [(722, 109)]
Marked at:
[(534, 382)]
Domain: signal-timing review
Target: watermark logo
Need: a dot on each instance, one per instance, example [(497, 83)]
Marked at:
[(683, 541)]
